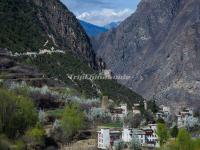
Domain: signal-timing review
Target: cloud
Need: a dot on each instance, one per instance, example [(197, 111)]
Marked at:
[(105, 15), (84, 5)]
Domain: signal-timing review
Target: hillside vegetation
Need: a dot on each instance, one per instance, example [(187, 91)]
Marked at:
[(22, 30)]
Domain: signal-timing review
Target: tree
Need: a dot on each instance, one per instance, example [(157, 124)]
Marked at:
[(184, 140), (148, 115), (72, 120), (42, 116), (174, 132), (162, 133), (17, 113), (152, 106), (35, 137), (160, 120), (119, 145), (135, 144), (133, 121), (4, 143)]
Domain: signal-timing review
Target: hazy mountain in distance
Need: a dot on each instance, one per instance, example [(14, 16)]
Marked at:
[(92, 30), (112, 25)]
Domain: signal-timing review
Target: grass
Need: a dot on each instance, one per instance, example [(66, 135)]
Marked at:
[(112, 125), (57, 113)]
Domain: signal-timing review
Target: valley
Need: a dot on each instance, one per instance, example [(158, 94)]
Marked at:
[(49, 100)]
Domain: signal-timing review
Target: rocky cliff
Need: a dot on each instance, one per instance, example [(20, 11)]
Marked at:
[(159, 47)]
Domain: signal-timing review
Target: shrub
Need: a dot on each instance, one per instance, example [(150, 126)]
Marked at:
[(17, 113), (35, 137), (72, 120), (4, 143), (118, 145)]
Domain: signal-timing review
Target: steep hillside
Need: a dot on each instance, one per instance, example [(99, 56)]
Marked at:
[(92, 30), (45, 38), (159, 47), (27, 25)]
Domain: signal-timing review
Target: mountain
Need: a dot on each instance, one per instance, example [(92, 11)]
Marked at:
[(112, 25), (44, 20), (42, 42), (92, 30), (159, 47)]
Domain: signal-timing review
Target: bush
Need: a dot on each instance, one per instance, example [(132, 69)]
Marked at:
[(184, 140), (162, 133), (72, 120), (133, 121), (135, 144), (35, 137), (118, 145), (19, 145), (17, 113), (4, 143), (174, 132)]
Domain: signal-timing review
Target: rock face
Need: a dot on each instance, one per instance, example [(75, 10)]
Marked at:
[(64, 27), (159, 46), (28, 24)]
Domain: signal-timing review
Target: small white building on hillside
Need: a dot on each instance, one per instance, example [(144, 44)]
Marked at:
[(186, 118), (163, 113), (136, 109)]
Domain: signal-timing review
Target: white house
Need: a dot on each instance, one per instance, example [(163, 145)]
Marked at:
[(106, 138), (186, 119), (128, 134), (136, 109), (151, 138), (163, 113), (107, 73)]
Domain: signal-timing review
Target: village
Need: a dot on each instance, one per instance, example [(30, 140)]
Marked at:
[(145, 134)]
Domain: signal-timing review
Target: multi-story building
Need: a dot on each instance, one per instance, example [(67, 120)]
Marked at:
[(163, 113), (128, 134), (186, 118), (106, 138), (151, 137), (119, 112)]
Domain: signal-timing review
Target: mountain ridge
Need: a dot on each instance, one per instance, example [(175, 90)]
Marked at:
[(157, 46), (92, 30), (112, 25)]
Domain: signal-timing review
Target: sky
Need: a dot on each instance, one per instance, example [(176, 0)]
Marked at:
[(101, 12)]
